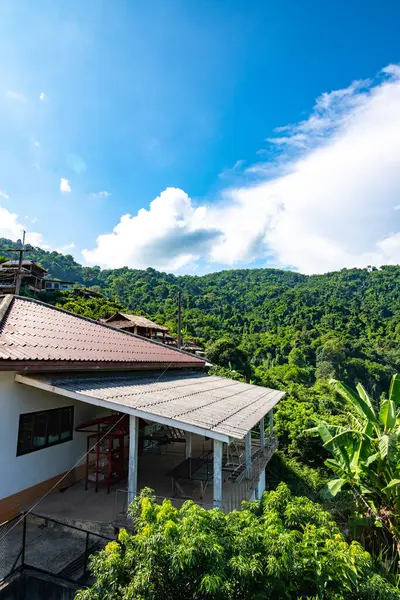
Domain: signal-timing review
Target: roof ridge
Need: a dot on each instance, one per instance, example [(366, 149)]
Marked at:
[(5, 304), (88, 319), (128, 316)]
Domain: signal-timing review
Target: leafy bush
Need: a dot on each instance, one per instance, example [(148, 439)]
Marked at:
[(279, 547)]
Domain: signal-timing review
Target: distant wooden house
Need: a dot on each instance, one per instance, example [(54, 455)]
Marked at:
[(137, 324), (31, 276)]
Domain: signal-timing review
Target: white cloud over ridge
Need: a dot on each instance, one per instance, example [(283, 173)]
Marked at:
[(169, 235), (11, 228), (330, 201)]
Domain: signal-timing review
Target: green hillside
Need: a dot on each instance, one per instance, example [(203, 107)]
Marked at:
[(345, 324)]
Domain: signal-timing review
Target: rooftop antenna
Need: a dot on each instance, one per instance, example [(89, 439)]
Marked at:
[(20, 250)]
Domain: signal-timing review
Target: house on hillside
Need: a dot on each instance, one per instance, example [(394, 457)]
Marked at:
[(99, 413), (57, 285), (137, 324), (31, 275)]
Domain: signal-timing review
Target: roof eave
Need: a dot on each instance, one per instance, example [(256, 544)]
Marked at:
[(54, 365)]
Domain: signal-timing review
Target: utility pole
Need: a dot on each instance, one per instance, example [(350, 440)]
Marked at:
[(179, 320), (18, 275)]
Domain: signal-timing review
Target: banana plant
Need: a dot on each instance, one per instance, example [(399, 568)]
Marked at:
[(365, 455)]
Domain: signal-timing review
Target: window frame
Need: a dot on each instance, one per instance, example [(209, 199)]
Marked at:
[(49, 412)]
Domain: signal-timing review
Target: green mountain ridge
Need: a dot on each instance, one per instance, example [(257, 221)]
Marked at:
[(344, 323)]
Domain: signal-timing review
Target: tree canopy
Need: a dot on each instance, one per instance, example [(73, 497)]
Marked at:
[(279, 547)]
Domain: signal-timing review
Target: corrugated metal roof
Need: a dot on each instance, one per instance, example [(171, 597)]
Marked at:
[(137, 320), (219, 407), (34, 331)]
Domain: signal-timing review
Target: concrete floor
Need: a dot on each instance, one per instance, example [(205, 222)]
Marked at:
[(79, 506), (49, 546)]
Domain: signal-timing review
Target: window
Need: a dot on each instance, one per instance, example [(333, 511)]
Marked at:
[(45, 428)]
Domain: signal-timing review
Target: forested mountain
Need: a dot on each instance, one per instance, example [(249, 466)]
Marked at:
[(296, 327)]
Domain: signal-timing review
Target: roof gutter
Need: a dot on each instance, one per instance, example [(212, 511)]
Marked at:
[(56, 365)]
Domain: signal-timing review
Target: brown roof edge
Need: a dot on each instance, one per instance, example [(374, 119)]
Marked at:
[(26, 299), (5, 302), (58, 365)]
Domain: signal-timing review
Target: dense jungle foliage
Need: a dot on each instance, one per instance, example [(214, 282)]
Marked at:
[(278, 329)]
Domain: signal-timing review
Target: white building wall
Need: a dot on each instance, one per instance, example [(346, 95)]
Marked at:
[(20, 472)]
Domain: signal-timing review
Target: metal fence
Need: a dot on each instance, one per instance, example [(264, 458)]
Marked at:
[(247, 481), (48, 546)]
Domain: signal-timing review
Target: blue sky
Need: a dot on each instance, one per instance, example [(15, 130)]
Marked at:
[(107, 107)]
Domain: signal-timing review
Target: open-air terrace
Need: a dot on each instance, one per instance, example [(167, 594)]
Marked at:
[(171, 473)]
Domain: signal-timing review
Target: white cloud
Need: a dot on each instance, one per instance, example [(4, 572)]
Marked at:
[(16, 96), (101, 194), (4, 195), (66, 248), (169, 235), (11, 228), (64, 185), (326, 203), (36, 143), (42, 96)]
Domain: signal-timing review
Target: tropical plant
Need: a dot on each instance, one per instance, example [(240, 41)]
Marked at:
[(280, 547), (366, 454)]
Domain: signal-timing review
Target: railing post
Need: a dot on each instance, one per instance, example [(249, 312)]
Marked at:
[(86, 554), (248, 454), (262, 433), (23, 540), (271, 423)]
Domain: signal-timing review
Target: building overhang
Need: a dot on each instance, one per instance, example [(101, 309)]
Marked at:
[(216, 407)]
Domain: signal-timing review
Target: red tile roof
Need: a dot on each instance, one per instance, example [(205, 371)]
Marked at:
[(35, 332)]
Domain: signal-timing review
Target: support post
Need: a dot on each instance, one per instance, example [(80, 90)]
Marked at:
[(262, 433), (23, 541), (247, 452), (133, 457), (188, 444), (217, 488), (271, 422), (86, 553)]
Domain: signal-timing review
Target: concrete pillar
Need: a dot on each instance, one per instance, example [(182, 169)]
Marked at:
[(188, 444), (262, 432), (133, 457), (135, 329), (247, 451), (261, 485), (271, 422), (217, 491)]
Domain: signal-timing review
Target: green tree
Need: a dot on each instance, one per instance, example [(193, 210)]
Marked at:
[(279, 547), (366, 454), (225, 353)]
